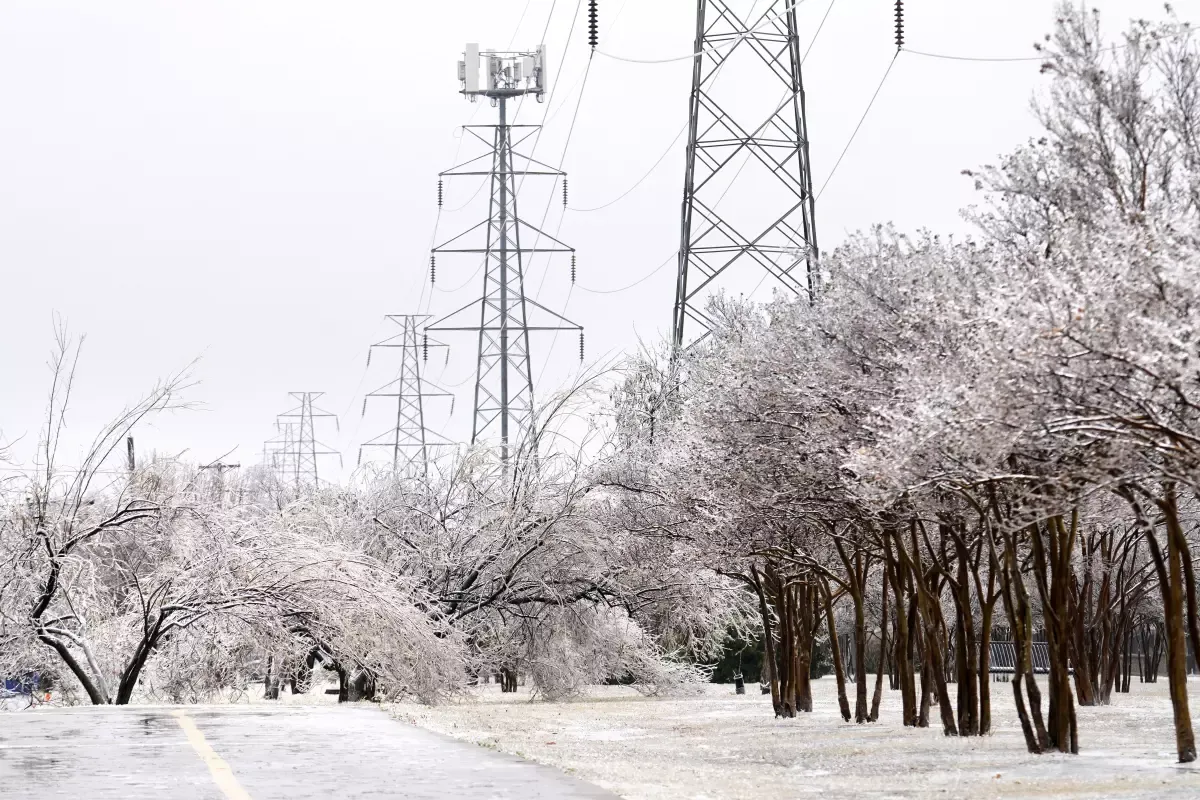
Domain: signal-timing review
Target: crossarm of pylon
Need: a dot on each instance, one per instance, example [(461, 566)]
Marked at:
[(382, 390), (471, 130), (426, 344), (460, 170), (513, 250), (453, 171), (436, 324), (515, 172), (375, 442), (316, 412), (570, 326), (531, 160), (469, 230), (441, 324), (563, 247)]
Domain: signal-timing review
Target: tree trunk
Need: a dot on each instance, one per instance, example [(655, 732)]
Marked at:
[(271, 681), (769, 663), (904, 647), (883, 651), (133, 669), (1020, 621), (985, 667), (1170, 579), (1051, 565), (81, 675), (861, 712), (835, 647)]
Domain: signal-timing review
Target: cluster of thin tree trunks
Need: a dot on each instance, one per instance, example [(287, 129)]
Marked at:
[(936, 590)]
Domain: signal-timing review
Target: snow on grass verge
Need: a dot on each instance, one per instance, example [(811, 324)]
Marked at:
[(719, 745)]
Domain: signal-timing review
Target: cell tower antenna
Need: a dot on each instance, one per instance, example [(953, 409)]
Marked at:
[(776, 233), (504, 402), (409, 441), (295, 452)]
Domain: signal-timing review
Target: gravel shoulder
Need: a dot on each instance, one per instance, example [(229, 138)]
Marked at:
[(718, 745)]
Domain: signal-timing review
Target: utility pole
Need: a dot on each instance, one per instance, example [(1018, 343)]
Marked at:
[(409, 440), (729, 131), (298, 449), (220, 468), (504, 402)]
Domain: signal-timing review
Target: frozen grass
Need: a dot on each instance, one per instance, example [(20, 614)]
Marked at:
[(719, 745)]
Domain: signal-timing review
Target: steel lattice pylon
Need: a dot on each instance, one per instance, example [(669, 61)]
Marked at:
[(409, 441), (782, 239), (295, 452), (504, 400)]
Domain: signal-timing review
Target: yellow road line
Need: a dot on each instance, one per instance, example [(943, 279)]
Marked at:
[(222, 775)]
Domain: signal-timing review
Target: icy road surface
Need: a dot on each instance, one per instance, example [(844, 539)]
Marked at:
[(239, 753)]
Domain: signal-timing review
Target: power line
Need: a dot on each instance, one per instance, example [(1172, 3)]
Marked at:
[(517, 29), (474, 194), (804, 57), (985, 58), (361, 379), (861, 120), (640, 180), (1184, 28), (562, 160), (465, 283), (638, 282)]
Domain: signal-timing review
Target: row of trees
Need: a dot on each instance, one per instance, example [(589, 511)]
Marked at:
[(961, 434), (955, 436), (176, 584)]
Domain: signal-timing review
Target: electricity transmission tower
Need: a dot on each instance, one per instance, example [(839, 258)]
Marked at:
[(774, 228), (409, 440), (506, 316), (294, 453), (276, 448)]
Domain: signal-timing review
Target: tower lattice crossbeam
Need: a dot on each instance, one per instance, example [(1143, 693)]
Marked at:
[(781, 238)]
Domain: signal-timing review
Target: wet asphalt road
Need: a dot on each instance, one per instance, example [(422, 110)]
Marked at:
[(243, 753)]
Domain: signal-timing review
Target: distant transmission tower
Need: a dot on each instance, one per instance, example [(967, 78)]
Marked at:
[(409, 440), (277, 448), (294, 453), (504, 402), (776, 231)]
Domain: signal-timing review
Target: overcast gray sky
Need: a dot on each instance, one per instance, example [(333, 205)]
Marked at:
[(253, 182)]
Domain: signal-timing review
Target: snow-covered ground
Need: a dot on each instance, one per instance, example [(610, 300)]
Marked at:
[(720, 745)]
